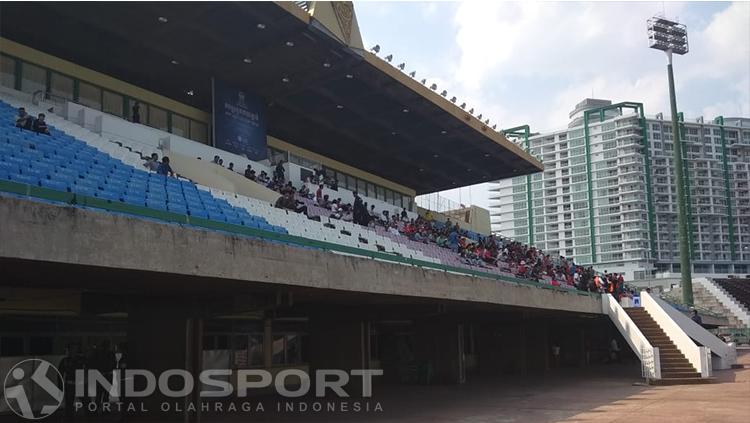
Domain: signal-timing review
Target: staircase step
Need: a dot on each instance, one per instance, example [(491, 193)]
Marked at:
[(674, 364), (667, 374), (682, 381)]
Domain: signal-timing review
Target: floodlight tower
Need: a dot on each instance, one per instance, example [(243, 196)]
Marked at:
[(671, 37)]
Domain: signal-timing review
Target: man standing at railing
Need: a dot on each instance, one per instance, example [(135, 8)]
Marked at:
[(152, 163), (697, 318), (136, 115)]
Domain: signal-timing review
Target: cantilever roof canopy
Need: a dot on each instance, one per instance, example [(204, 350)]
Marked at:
[(359, 110)]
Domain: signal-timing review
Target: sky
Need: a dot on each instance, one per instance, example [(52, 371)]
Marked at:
[(531, 62)]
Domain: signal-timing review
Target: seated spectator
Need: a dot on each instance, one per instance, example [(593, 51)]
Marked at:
[(404, 215), (393, 228), (24, 120), (152, 163), (385, 219), (216, 160), (288, 202), (221, 162), (231, 167), (522, 270), (263, 177), (287, 187), (325, 202), (441, 240), (40, 126), (164, 168), (336, 211), (252, 175), (247, 171), (305, 192)]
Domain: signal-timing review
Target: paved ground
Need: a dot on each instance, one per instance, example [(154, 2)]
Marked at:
[(602, 394), (598, 395)]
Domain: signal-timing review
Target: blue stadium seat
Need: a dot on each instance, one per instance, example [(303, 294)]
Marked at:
[(83, 190), (26, 179), (199, 213), (53, 184), (108, 195)]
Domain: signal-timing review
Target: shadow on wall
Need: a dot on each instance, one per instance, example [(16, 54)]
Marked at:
[(212, 175)]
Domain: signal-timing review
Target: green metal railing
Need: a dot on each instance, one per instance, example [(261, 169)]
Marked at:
[(166, 216)]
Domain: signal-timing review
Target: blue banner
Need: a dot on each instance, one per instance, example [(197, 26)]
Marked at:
[(239, 122)]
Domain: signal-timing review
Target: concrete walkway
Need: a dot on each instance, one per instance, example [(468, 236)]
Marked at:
[(599, 394), (602, 394)]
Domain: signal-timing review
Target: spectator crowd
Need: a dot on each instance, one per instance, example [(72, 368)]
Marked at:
[(523, 261)]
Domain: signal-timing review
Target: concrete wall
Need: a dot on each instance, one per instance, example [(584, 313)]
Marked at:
[(45, 232)]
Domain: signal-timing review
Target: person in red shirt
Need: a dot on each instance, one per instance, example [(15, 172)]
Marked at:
[(522, 269)]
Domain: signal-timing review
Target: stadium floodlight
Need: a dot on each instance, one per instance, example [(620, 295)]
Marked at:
[(444, 93), (402, 66), (375, 49), (453, 99), (433, 87), (471, 111), (463, 105), (494, 126), (424, 81), (667, 36), (413, 74), (479, 117), (388, 58), (671, 37), (486, 121)]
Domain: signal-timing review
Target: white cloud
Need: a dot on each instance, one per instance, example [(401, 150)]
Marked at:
[(531, 62)]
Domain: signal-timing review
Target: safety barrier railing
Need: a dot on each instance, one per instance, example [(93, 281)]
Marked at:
[(166, 216)]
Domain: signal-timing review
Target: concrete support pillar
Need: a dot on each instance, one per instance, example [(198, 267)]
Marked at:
[(437, 345), (582, 347), (523, 365), (537, 346), (163, 335), (267, 343), (336, 342)]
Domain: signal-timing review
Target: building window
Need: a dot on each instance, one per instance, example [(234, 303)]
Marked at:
[(33, 78), (180, 125), (157, 118), (7, 71), (112, 103), (90, 96), (61, 86), (199, 131)]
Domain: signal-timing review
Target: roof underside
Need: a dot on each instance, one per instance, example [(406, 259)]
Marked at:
[(433, 146)]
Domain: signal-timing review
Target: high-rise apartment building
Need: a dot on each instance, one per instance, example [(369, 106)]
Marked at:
[(607, 195)]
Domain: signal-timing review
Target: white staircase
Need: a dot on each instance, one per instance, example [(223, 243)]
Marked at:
[(726, 300)]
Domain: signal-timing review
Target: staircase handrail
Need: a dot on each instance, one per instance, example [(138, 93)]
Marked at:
[(647, 353), (665, 316)]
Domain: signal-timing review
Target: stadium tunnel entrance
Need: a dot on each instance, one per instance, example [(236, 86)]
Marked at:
[(161, 321)]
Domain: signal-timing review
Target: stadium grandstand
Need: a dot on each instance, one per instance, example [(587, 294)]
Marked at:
[(187, 201)]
